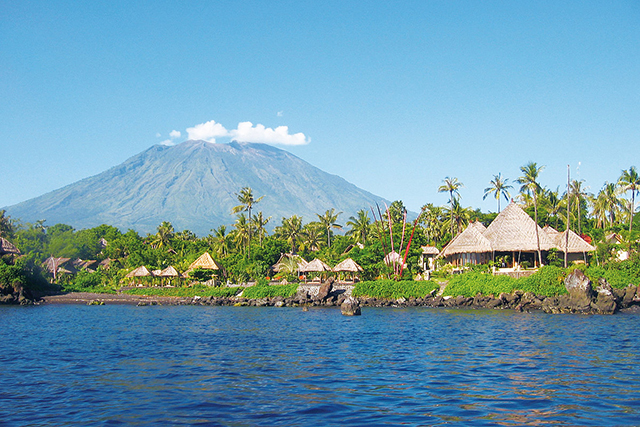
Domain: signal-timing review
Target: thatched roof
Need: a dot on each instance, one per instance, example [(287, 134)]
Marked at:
[(348, 265), (6, 247), (514, 230), (169, 272), (52, 264), (315, 266), (88, 264), (478, 225), (470, 240), (141, 271), (576, 243), (205, 261), (429, 250)]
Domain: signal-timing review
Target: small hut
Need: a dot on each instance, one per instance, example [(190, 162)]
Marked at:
[(348, 266), (169, 274), (8, 248), (207, 263), (55, 265), (315, 266), (137, 274), (575, 246)]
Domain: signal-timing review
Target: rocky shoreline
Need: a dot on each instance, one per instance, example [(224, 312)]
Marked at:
[(581, 298)]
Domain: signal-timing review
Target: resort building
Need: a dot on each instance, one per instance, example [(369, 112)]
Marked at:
[(511, 240)]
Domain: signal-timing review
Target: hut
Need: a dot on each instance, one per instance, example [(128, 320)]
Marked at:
[(169, 275), (468, 247), (513, 234), (575, 246), (8, 248), (348, 266), (55, 265), (315, 266), (204, 261), (139, 273)]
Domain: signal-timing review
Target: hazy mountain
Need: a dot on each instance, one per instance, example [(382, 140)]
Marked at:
[(193, 185)]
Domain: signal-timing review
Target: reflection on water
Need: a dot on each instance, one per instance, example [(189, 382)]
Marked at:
[(72, 365)]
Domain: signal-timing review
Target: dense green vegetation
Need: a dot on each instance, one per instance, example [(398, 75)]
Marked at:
[(187, 292), (247, 250), (391, 289)]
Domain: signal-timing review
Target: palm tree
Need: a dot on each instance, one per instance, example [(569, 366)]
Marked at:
[(291, 230), (459, 216), (259, 221), (607, 204), (312, 236), (220, 240), (498, 187), (243, 231), (328, 221), (451, 186), (554, 204), (432, 219), (578, 193), (630, 181), (360, 226), (245, 197), (529, 182), (163, 236)]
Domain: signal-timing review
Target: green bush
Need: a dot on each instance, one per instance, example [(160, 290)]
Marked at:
[(266, 291), (202, 291), (549, 280), (390, 289)]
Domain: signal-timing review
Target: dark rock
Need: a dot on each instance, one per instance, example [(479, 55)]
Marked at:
[(580, 292), (350, 307), (629, 294), (324, 291), (496, 302)]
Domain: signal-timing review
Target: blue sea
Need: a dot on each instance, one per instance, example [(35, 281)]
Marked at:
[(249, 366)]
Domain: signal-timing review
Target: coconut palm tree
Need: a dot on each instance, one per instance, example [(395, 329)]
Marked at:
[(498, 187), (630, 181), (312, 236), (221, 240), (451, 186), (432, 219), (459, 216), (328, 221), (530, 186), (259, 221), (291, 231), (360, 226), (243, 231), (578, 193), (246, 199), (163, 236), (554, 205), (607, 204)]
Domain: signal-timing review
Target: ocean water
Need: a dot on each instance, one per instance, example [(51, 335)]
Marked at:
[(246, 366)]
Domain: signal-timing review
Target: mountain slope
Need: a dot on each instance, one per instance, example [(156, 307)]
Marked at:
[(193, 185)]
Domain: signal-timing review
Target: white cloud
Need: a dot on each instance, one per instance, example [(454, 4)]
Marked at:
[(175, 134), (246, 132), (280, 113), (167, 142), (208, 131)]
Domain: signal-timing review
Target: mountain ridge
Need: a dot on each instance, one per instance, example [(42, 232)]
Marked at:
[(194, 185)]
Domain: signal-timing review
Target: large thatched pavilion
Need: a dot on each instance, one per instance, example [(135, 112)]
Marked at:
[(512, 238)]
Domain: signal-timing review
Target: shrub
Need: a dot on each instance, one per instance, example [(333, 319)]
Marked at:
[(390, 289), (203, 291), (266, 291)]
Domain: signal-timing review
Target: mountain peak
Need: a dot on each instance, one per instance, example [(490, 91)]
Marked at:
[(194, 185)]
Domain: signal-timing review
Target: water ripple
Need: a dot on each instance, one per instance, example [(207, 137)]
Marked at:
[(112, 365)]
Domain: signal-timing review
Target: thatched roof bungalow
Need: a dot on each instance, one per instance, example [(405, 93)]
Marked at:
[(204, 261), (512, 235), (141, 271), (6, 247)]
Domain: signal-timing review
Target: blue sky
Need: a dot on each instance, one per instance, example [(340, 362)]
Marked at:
[(392, 97)]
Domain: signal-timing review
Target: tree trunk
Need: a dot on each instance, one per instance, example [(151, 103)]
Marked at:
[(535, 210)]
